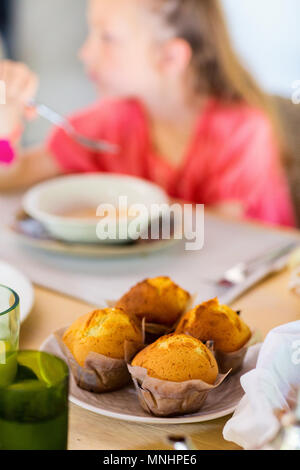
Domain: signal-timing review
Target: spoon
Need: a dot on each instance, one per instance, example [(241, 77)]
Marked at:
[(60, 121)]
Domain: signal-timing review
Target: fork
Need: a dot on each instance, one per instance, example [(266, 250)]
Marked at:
[(240, 272), (60, 121)]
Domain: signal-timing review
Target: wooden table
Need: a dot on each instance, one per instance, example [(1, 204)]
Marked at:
[(264, 307)]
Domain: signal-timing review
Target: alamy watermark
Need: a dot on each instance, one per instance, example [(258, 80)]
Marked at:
[(2, 92), (125, 222), (296, 352), (296, 92), (2, 353)]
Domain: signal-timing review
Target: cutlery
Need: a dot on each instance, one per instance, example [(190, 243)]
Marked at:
[(179, 442), (238, 274), (60, 121)]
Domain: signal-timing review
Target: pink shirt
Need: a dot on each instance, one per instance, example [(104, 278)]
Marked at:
[(232, 156)]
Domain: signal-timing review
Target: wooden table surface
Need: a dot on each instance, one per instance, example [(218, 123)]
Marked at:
[(264, 307)]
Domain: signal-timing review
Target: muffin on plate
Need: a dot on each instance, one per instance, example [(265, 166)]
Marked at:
[(231, 337), (211, 321), (158, 300), (98, 346), (178, 358), (103, 332), (174, 375)]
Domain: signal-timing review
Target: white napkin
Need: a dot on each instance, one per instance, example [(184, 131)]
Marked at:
[(271, 386)]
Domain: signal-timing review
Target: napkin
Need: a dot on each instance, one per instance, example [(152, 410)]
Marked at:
[(269, 388)]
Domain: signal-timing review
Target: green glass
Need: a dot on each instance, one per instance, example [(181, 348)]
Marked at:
[(9, 334), (34, 408)]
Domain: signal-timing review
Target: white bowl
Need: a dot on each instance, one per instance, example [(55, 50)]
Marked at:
[(46, 201)]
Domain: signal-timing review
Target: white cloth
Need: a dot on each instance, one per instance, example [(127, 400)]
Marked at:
[(271, 386)]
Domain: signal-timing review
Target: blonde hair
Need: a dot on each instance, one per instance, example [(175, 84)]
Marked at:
[(217, 70)]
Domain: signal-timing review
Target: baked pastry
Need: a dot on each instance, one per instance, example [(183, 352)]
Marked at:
[(178, 358), (158, 300), (219, 323), (104, 332)]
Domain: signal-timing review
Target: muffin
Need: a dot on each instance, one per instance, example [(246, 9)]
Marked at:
[(103, 332), (178, 358), (211, 321), (174, 375), (158, 300)]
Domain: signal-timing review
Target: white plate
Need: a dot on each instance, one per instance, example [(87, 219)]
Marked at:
[(93, 250), (123, 404), (11, 277)]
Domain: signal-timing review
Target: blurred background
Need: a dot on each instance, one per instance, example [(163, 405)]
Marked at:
[(46, 34)]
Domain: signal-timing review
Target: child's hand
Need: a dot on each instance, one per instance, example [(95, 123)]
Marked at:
[(20, 86)]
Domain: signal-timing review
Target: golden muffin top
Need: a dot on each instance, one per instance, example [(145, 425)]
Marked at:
[(103, 332), (178, 358), (219, 323), (158, 300)]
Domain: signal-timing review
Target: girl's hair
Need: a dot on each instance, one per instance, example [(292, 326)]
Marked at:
[(217, 70)]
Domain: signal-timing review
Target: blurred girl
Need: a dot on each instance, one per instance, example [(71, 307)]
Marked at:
[(175, 99)]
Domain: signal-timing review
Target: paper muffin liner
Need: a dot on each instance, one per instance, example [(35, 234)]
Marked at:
[(235, 360), (100, 373), (165, 398), (154, 331)]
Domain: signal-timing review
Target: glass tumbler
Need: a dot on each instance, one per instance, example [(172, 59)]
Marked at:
[(9, 334), (34, 408)]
